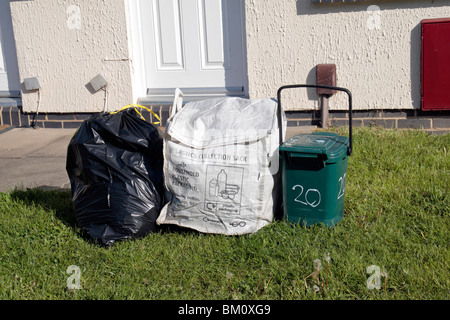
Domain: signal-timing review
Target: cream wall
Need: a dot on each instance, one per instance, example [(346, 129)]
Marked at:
[(66, 48), (286, 39)]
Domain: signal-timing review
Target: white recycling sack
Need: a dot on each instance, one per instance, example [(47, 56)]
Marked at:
[(221, 165)]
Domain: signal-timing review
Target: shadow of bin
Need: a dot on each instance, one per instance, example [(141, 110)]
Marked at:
[(314, 172)]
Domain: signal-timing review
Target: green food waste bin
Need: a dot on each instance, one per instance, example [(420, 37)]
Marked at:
[(314, 173)]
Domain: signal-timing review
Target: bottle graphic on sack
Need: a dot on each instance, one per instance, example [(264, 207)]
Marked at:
[(221, 181), (219, 187)]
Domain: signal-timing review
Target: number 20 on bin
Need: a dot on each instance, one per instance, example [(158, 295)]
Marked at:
[(312, 197)]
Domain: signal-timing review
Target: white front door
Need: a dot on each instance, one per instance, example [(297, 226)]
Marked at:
[(195, 45), (9, 74)]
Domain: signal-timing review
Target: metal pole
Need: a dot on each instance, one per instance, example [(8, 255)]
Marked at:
[(324, 110)]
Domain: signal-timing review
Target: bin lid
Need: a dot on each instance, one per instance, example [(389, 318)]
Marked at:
[(330, 144)]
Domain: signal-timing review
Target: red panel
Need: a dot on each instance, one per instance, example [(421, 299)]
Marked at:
[(436, 64)]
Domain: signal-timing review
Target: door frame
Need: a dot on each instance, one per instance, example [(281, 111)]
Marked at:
[(9, 54), (139, 78)]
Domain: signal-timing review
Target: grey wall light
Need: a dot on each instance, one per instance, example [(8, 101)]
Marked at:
[(32, 84), (97, 83)]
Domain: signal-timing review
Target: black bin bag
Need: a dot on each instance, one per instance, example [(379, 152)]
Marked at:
[(115, 166)]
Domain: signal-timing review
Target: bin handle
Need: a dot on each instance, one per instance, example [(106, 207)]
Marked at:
[(291, 86), (304, 155)]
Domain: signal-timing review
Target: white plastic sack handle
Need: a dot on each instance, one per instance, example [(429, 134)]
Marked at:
[(177, 102)]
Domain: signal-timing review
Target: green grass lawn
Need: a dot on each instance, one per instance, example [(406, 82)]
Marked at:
[(396, 218)]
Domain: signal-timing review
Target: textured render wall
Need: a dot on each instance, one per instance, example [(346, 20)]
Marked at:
[(66, 47), (377, 53)]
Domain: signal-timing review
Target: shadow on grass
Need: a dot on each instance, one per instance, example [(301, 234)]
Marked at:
[(59, 201), (50, 199)]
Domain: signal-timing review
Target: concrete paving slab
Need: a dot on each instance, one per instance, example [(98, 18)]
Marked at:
[(33, 173), (31, 158), (20, 142), (55, 148)]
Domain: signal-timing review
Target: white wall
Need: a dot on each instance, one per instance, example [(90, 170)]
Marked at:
[(286, 39), (66, 49), (378, 62)]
